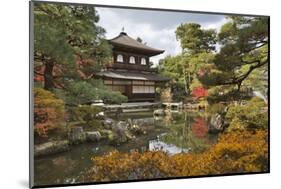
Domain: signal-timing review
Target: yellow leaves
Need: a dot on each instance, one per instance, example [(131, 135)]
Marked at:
[(48, 111), (235, 152), (44, 98)]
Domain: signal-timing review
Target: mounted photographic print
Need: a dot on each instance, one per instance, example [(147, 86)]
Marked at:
[(122, 94)]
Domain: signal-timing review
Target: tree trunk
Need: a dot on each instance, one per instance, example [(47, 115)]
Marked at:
[(239, 86), (48, 76), (185, 83), (189, 81)]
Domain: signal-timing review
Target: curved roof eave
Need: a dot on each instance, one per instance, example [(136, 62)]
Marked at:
[(124, 40)]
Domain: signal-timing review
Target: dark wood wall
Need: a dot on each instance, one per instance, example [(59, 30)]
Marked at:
[(128, 66), (126, 87)]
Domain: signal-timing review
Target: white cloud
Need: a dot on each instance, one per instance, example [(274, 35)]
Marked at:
[(161, 37), (215, 25)]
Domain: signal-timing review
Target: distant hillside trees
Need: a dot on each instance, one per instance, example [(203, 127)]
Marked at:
[(221, 62)]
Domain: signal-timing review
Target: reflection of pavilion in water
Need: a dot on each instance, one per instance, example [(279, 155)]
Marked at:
[(155, 145), (189, 135)]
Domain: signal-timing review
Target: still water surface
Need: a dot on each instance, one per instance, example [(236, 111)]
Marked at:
[(180, 132)]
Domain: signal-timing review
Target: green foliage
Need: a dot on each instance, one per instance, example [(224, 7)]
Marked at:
[(49, 35), (252, 115), (63, 33), (240, 64), (187, 137), (237, 152), (172, 67), (194, 39), (62, 29), (217, 108), (179, 93), (198, 45), (257, 80), (87, 113), (244, 49), (48, 111), (107, 95), (80, 92), (84, 92), (228, 93)]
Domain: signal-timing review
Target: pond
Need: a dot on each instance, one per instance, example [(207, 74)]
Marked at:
[(177, 132)]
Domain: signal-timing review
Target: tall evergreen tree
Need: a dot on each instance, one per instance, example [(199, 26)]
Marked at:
[(244, 52), (63, 34), (194, 39)]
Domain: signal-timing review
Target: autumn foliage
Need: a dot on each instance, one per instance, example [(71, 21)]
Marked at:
[(56, 73), (48, 111), (199, 127), (236, 152), (199, 92)]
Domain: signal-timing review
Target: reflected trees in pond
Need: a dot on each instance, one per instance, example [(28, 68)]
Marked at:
[(190, 133)]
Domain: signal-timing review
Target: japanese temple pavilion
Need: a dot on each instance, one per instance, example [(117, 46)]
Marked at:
[(130, 72)]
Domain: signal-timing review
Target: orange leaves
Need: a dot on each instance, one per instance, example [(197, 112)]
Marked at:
[(199, 127), (199, 92), (249, 149), (123, 166), (48, 111), (236, 152)]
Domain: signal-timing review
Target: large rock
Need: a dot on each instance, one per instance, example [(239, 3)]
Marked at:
[(100, 115), (136, 126), (93, 136), (107, 123), (130, 122), (121, 125), (144, 121), (136, 129), (216, 123), (51, 148), (129, 135), (77, 135), (117, 139), (159, 112), (120, 133)]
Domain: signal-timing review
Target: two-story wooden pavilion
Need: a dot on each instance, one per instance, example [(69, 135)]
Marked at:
[(130, 72)]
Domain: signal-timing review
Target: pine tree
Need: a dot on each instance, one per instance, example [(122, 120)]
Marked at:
[(63, 34)]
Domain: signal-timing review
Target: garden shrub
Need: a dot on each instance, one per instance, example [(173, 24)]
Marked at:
[(85, 92), (236, 152), (48, 111), (252, 115), (107, 95), (87, 113), (216, 108)]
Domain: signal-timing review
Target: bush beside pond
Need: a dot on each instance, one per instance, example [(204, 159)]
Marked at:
[(217, 108), (48, 112), (252, 115), (236, 152)]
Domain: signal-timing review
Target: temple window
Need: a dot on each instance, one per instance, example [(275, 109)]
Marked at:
[(143, 61), (143, 89), (120, 58), (132, 60)]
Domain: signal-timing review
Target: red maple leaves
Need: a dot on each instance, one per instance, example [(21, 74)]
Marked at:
[(199, 127), (199, 92)]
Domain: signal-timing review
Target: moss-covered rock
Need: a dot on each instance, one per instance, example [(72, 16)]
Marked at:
[(93, 136), (77, 135), (51, 148)]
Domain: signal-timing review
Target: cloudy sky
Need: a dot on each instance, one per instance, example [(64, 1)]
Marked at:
[(156, 28)]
